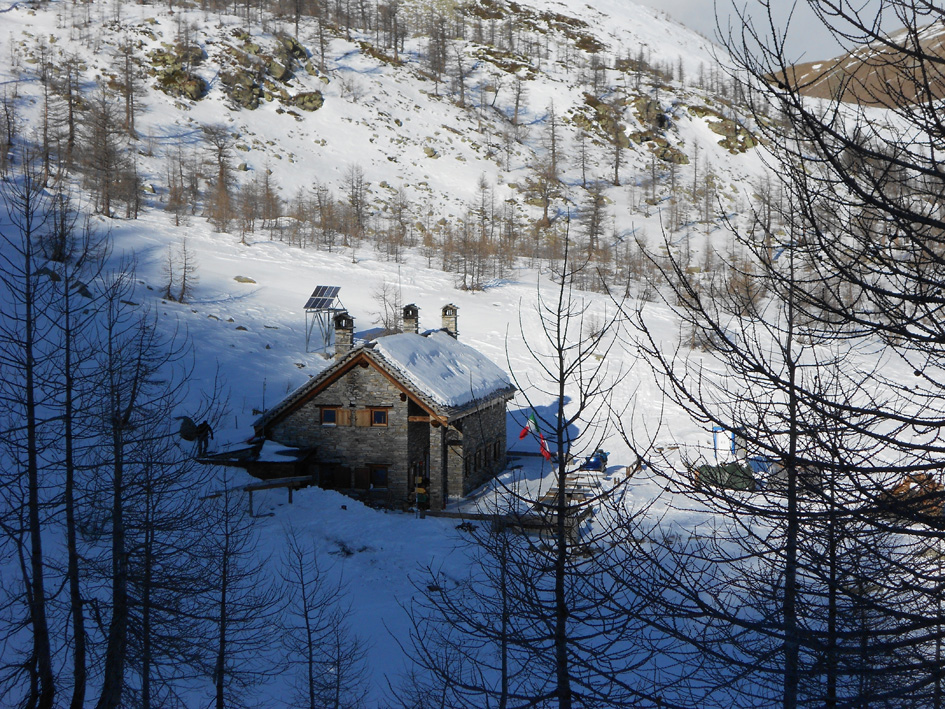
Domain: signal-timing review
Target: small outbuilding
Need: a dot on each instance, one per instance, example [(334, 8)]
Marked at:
[(406, 418)]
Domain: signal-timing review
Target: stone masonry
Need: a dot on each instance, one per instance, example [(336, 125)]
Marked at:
[(374, 420), (347, 443), (470, 450)]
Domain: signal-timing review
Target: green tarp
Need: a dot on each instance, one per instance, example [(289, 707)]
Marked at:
[(732, 476)]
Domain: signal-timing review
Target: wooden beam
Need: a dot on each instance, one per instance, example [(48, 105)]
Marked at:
[(297, 482)]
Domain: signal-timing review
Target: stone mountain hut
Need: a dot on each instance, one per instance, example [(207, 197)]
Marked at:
[(407, 411)]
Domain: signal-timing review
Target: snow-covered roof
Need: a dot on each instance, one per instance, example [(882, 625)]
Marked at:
[(449, 372), (272, 452), (444, 373)]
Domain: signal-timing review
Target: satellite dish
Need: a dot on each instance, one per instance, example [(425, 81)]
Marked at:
[(188, 429)]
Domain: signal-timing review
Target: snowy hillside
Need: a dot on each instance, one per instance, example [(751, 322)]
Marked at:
[(420, 157), (263, 161), (414, 139)]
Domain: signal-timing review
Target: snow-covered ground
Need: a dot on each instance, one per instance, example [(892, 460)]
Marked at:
[(254, 334), (246, 318)]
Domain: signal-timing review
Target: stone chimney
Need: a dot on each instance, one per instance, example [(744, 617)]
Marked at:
[(344, 334), (412, 319), (449, 320)]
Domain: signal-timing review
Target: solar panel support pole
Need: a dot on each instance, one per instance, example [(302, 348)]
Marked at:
[(320, 308), (311, 317), (321, 318)]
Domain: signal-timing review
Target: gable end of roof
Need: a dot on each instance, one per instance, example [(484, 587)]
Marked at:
[(431, 371), (317, 384)]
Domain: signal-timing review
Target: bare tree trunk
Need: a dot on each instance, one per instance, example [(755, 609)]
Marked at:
[(113, 678), (79, 669), (562, 542), (26, 208), (791, 644), (125, 373), (148, 561), (220, 666), (41, 643)]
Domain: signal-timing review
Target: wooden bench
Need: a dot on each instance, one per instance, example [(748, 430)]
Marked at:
[(290, 484)]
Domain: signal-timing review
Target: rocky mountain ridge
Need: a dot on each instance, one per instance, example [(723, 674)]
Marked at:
[(406, 126), (882, 73)]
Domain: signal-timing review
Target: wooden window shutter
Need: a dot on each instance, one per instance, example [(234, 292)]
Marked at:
[(344, 417), (362, 417)]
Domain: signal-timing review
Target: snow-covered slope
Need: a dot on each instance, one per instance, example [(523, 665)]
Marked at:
[(879, 73), (406, 136), (407, 133)]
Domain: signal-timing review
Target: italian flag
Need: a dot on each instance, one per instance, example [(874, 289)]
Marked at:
[(531, 426)]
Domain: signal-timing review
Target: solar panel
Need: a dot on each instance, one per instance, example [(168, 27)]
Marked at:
[(325, 291), (319, 303), (322, 298)]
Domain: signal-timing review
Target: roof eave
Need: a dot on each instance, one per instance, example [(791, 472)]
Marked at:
[(337, 370), (444, 414), (287, 403), (500, 396)]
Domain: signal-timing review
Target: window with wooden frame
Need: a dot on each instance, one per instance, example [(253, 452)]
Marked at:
[(329, 416), (378, 417), (379, 475), (335, 416), (375, 417)]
